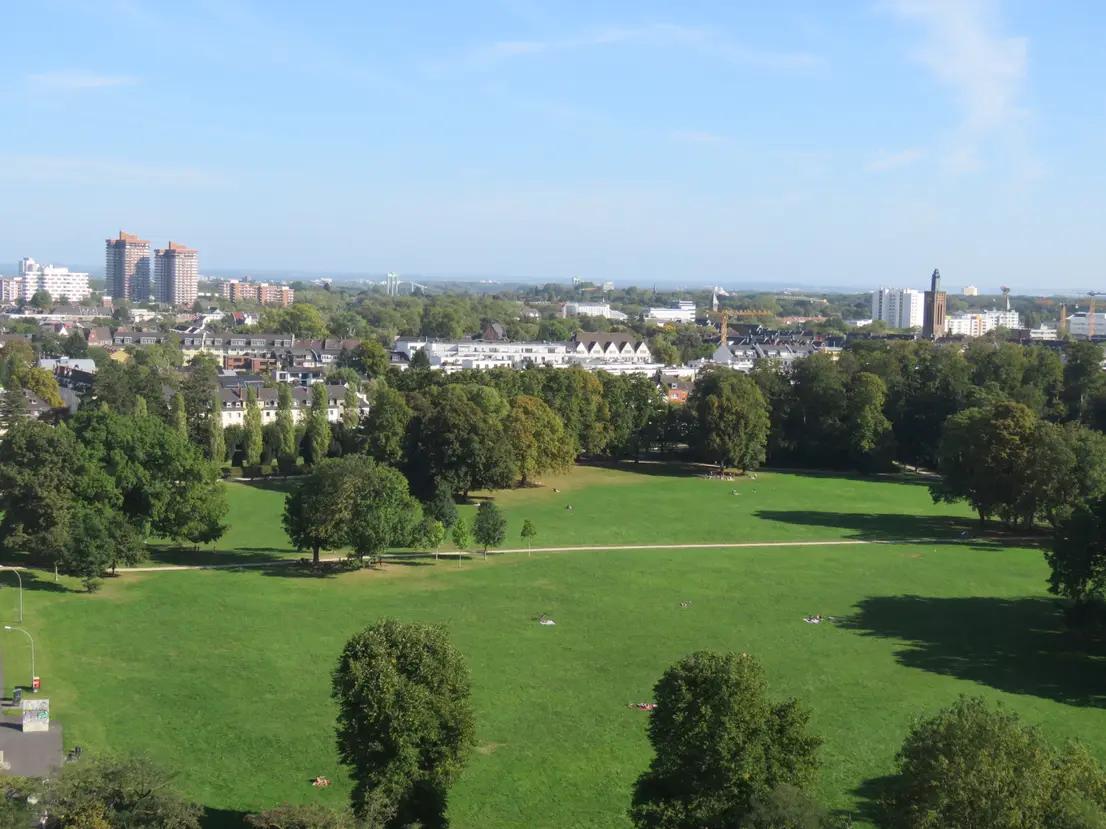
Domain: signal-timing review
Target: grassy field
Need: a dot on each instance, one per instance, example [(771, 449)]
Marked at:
[(224, 675)]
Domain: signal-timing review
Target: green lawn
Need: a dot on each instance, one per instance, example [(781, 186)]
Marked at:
[(224, 675)]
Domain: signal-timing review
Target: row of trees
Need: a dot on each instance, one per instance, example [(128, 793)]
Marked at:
[(87, 495)]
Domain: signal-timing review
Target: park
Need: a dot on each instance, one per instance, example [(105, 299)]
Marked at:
[(223, 675)]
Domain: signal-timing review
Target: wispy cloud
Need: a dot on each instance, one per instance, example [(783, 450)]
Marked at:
[(885, 161), (698, 137), (46, 169), (966, 50), (660, 35), (70, 80)]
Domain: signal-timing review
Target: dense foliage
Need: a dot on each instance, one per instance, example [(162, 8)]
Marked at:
[(720, 745), (405, 723)]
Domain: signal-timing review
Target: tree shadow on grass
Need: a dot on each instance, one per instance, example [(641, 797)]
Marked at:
[(191, 556), (222, 818), (282, 485), (33, 580), (898, 527), (871, 794), (1020, 646)]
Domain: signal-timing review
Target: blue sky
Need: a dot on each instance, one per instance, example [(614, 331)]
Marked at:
[(692, 142)]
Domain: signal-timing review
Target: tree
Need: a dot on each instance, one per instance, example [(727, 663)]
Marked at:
[(13, 407), (1083, 380), (405, 722), (460, 444), (420, 361), (784, 807), (461, 537), (972, 766), (41, 383), (318, 424), (489, 527), (215, 437), (254, 439), (384, 429), (537, 439), (285, 426), (316, 512), (117, 792), (179, 416), (1078, 555), (983, 459), (351, 409), (300, 817), (868, 430), (369, 358), (528, 533), (167, 487), (732, 419), (98, 539), (431, 533), (719, 745), (45, 475), (42, 300), (382, 513), (441, 506)]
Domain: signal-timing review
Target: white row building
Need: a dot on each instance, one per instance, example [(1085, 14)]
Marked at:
[(619, 353), (683, 312), (898, 307), (34, 277), (591, 309), (979, 323)]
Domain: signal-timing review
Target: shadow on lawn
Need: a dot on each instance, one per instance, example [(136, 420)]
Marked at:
[(238, 555), (222, 818), (1021, 646), (283, 485), (34, 581), (904, 528)]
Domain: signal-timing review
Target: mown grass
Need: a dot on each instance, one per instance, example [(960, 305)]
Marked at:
[(224, 675)]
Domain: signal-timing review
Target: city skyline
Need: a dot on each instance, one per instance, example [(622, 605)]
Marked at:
[(800, 145)]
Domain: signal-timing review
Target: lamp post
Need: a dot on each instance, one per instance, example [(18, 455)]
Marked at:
[(16, 571), (32, 641)]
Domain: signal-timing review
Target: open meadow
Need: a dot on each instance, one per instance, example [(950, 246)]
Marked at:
[(223, 675)]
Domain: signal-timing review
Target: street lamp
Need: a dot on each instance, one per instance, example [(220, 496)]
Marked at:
[(32, 641), (16, 571)]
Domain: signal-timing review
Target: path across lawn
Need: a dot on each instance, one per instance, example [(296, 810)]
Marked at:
[(170, 568)]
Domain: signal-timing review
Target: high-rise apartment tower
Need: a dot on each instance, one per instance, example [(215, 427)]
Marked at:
[(176, 274), (127, 267)]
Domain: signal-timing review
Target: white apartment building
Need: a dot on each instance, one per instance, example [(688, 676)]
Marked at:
[(976, 325), (971, 290), (57, 282), (1079, 324), (898, 307), (591, 309), (616, 353), (683, 312), (235, 402)]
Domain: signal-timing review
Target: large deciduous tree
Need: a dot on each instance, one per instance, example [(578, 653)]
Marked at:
[(731, 419), (382, 513), (316, 512), (405, 723), (972, 766), (720, 745), (110, 792), (285, 427), (537, 439), (867, 428), (383, 431)]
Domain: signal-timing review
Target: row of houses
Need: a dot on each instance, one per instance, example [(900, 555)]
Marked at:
[(234, 394), (618, 353)]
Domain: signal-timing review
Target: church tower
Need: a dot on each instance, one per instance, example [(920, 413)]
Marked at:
[(933, 315)]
